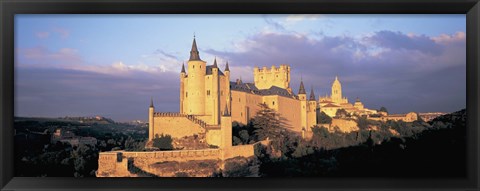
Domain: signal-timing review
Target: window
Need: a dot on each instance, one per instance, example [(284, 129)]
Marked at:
[(273, 102), (200, 66), (193, 66), (186, 94), (208, 92), (238, 99)]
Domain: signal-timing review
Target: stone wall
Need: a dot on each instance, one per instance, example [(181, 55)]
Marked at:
[(344, 125), (116, 163), (239, 150), (177, 125)]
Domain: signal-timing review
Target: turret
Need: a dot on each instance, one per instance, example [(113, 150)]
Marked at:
[(151, 111), (312, 95), (302, 96), (227, 87), (216, 93), (311, 111), (183, 75), (301, 91), (195, 87)]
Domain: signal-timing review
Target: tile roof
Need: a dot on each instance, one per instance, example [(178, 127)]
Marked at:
[(251, 88)]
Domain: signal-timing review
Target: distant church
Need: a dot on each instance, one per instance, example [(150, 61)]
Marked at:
[(331, 104)]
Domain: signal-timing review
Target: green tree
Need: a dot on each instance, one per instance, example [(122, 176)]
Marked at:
[(323, 118), (129, 144), (244, 136), (268, 123), (163, 142)]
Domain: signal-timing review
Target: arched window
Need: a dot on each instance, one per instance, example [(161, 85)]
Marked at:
[(186, 94), (193, 66), (273, 102)]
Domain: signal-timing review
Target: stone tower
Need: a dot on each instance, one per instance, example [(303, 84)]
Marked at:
[(195, 91), (336, 91), (311, 111), (302, 96), (151, 111), (265, 78), (183, 101)]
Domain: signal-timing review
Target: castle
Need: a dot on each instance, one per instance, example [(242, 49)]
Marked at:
[(210, 103)]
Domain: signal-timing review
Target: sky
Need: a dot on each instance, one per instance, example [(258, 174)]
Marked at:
[(111, 65)]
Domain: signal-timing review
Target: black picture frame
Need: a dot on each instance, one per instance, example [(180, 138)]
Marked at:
[(8, 8)]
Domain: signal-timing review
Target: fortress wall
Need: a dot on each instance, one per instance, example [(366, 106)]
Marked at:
[(239, 150), (290, 109), (177, 155), (109, 165), (244, 106), (224, 94), (206, 118), (344, 125), (214, 137), (176, 126)]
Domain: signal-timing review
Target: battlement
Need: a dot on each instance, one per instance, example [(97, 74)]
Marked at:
[(192, 118), (272, 68), (274, 76)]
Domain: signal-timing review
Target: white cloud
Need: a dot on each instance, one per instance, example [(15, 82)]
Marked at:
[(301, 17)]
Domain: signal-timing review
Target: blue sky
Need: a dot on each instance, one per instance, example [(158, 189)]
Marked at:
[(111, 65)]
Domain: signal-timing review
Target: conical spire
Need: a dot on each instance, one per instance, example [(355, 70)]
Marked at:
[(215, 63), (227, 68), (194, 54), (183, 68), (151, 102), (312, 95), (302, 88)]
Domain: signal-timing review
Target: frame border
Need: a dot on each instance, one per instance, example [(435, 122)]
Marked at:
[(8, 8)]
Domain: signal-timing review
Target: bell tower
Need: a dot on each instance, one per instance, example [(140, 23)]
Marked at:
[(336, 91)]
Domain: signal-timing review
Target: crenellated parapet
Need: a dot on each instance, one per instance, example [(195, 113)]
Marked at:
[(274, 76), (189, 117)]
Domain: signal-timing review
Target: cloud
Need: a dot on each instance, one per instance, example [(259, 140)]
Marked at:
[(405, 72), (42, 35), (301, 17), (400, 41), (270, 22), (68, 58), (41, 56), (56, 92)]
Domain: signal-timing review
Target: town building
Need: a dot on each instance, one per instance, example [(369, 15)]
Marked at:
[(336, 101)]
